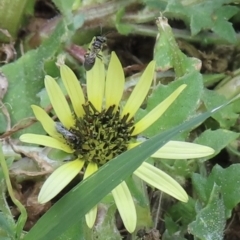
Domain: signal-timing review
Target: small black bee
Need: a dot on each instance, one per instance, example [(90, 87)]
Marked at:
[(93, 52), (67, 135)]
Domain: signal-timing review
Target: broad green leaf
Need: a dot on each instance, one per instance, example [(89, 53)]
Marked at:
[(26, 76), (74, 20), (203, 17), (183, 209), (210, 221), (73, 206), (167, 53), (12, 20), (212, 15), (78, 21), (225, 30), (6, 227), (228, 181), (226, 117), (197, 15), (183, 168), (199, 184), (177, 219), (64, 6), (168, 236), (221, 26), (171, 227), (217, 139), (182, 108)]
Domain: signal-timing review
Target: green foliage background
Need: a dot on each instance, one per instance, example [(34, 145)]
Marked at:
[(214, 190)]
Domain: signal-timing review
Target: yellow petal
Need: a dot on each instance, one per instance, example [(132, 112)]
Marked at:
[(157, 112), (46, 121), (45, 141), (183, 150), (96, 84), (59, 102), (133, 145), (162, 181), (74, 89), (91, 168), (140, 91), (59, 179), (90, 217), (125, 205), (114, 82)]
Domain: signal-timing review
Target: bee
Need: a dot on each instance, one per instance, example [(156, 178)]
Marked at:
[(93, 52), (67, 135)]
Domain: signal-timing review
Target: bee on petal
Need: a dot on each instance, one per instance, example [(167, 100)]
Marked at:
[(93, 52), (67, 134)]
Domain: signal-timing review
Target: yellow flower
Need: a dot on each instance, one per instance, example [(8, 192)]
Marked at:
[(95, 129)]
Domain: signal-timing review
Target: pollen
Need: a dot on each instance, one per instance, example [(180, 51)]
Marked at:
[(101, 135)]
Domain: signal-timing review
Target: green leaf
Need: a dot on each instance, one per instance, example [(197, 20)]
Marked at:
[(202, 19), (122, 28), (78, 21), (74, 205), (167, 53), (184, 106), (3, 121), (221, 26), (183, 209), (217, 139), (182, 168), (227, 179), (210, 220), (225, 30), (226, 117), (12, 20), (75, 232), (23, 213), (168, 236), (212, 79), (206, 15), (137, 188), (74, 20), (171, 227), (65, 7), (199, 183), (155, 4), (26, 76), (177, 219), (6, 227)]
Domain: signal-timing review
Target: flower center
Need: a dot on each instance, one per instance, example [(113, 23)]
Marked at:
[(101, 136)]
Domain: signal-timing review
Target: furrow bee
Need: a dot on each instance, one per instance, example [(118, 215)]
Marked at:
[(67, 135), (93, 52)]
